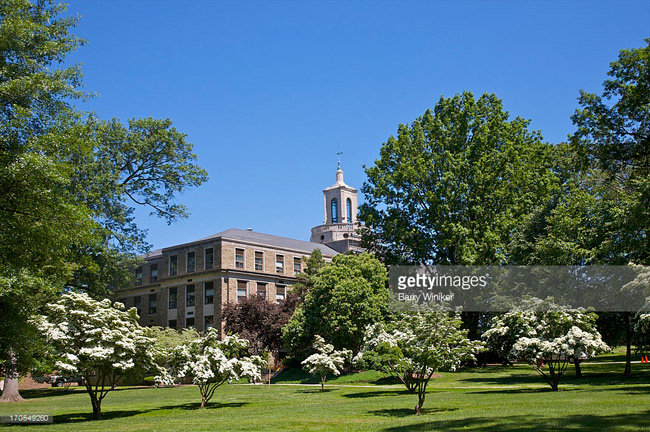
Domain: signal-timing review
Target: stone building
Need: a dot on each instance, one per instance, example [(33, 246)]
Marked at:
[(186, 285)]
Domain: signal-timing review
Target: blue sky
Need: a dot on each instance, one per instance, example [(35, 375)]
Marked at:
[(267, 90)]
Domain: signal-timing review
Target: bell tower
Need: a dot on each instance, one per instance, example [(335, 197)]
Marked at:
[(339, 229)]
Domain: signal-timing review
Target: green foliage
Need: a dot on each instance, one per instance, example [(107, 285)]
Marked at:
[(452, 186), (345, 297)]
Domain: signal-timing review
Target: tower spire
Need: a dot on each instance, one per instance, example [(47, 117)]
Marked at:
[(339, 153)]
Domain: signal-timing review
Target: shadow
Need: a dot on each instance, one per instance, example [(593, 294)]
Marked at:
[(197, 405), (317, 390), (49, 392), (88, 416), (377, 393), (583, 423), (404, 412), (524, 390), (110, 414)]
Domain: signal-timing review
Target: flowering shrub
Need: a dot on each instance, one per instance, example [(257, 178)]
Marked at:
[(96, 340), (415, 346), (325, 361), (550, 338), (210, 362)]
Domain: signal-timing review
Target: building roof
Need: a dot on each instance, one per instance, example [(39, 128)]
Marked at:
[(271, 240)]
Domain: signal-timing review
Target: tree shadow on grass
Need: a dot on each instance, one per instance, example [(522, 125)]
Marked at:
[(377, 393), (209, 405), (581, 423), (408, 412), (46, 392), (88, 416), (523, 390), (316, 390), (112, 414)]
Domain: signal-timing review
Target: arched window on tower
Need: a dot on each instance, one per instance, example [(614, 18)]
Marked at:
[(335, 211), (348, 210)]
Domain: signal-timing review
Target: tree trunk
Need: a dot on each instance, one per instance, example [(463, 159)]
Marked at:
[(418, 407), (628, 346), (578, 369), (322, 382), (202, 401), (10, 391), (97, 406)]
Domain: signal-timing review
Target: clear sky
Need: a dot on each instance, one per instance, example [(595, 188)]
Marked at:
[(267, 90)]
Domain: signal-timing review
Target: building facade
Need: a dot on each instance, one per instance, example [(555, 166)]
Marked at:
[(187, 285)]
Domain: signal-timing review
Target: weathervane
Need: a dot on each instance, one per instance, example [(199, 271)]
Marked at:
[(339, 153)]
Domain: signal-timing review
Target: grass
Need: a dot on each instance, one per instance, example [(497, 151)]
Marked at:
[(491, 399)]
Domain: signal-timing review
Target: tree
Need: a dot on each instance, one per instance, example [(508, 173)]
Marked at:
[(346, 296), (259, 321), (167, 339), (38, 222), (68, 181), (453, 186), (415, 346), (98, 341), (552, 338), (325, 361), (210, 362)]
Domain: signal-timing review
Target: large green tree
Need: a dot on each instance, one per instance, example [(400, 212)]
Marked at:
[(454, 184), (345, 296), (68, 181)]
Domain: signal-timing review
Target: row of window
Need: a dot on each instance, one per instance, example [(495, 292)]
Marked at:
[(190, 261), (208, 322), (153, 304), (334, 208), (242, 291), (190, 295), (190, 264), (259, 262)]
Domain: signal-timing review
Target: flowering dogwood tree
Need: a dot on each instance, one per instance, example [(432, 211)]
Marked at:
[(97, 340), (210, 362), (326, 360), (547, 338), (415, 346)]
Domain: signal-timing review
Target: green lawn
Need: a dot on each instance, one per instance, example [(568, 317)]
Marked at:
[(495, 398)]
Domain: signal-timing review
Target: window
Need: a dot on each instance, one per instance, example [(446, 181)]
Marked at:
[(172, 324), (173, 265), (152, 304), (280, 292), (241, 290), (189, 295), (279, 263), (208, 322), (297, 266), (138, 276), (209, 258), (208, 289), (239, 258), (335, 211), (137, 304), (173, 298), (191, 262), (189, 322), (153, 273), (259, 261), (348, 209), (261, 290)]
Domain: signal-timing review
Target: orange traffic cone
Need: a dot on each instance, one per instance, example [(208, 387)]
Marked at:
[(642, 359), (646, 359)]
